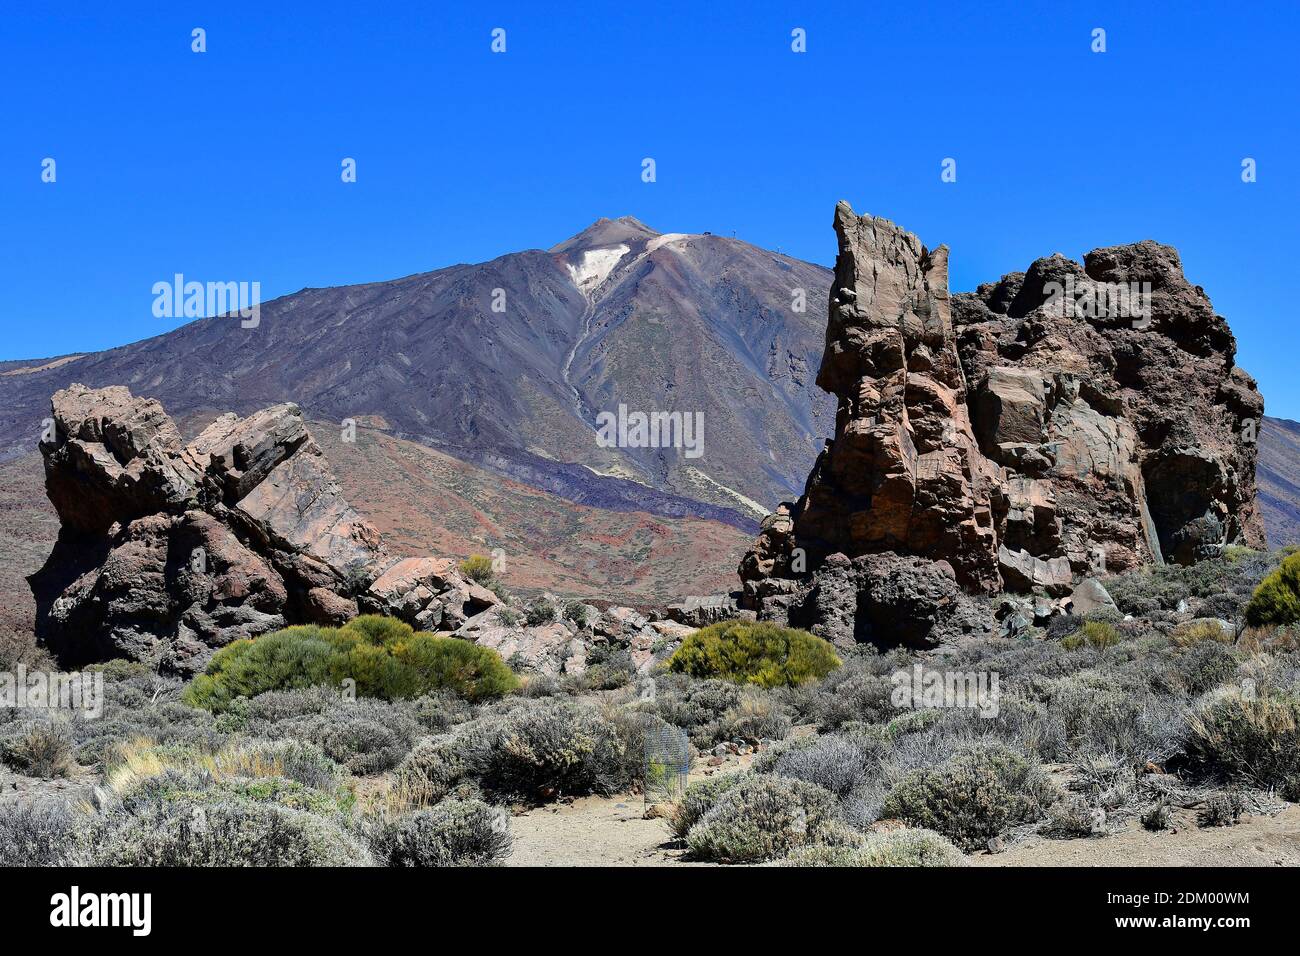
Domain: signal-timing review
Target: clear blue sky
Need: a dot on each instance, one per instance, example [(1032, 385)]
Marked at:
[(225, 165)]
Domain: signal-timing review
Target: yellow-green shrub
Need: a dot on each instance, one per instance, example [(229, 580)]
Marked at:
[(1277, 599), (1098, 634), (1198, 632), (478, 568), (384, 657), (755, 652), (1251, 736)]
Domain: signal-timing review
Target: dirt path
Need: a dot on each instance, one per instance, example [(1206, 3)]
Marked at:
[(592, 831), (603, 831), (1255, 841), (612, 831)]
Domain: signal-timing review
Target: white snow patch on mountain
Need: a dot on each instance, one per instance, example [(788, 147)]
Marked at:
[(663, 240), (595, 266)]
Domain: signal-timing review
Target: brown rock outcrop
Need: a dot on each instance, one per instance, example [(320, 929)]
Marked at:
[(904, 472), (1068, 421), (168, 551)]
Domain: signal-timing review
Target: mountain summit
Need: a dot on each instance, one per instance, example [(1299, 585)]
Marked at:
[(510, 363), (605, 233)]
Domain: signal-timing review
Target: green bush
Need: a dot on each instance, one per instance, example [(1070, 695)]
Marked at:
[(576, 611), (755, 652), (39, 749), (1098, 634), (560, 748), (37, 833), (540, 612), (1277, 599), (384, 658), (973, 796), (378, 630), (478, 568), (225, 832), (699, 799), (1257, 738), (764, 817), (474, 672), (906, 847), (452, 833)]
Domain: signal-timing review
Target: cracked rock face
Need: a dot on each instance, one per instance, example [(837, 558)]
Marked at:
[(168, 551), (1068, 421), (1137, 417)]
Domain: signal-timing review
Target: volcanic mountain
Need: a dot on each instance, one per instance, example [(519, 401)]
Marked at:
[(509, 363), (475, 392)]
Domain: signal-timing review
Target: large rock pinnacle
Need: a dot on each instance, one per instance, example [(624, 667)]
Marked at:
[(1069, 421), (904, 472)]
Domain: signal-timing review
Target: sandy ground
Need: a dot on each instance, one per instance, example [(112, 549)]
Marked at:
[(612, 831), (602, 831), (1255, 841), (592, 831)]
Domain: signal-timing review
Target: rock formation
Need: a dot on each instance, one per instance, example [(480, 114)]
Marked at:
[(1069, 421), (1110, 394), (168, 550)]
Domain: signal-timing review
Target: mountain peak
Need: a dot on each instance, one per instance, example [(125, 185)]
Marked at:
[(624, 230)]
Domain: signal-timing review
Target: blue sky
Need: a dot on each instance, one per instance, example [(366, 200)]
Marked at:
[(225, 165)]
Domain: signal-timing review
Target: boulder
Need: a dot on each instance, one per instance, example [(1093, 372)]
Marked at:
[(168, 551), (1089, 596), (890, 600), (698, 611)]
